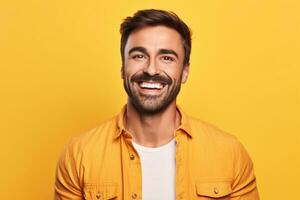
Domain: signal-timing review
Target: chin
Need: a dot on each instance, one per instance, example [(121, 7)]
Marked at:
[(150, 108)]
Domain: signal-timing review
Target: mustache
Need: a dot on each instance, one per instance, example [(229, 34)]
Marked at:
[(156, 78)]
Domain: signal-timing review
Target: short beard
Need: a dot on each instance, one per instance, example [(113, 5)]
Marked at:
[(138, 104)]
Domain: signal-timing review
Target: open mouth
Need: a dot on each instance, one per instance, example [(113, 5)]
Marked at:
[(151, 85), (151, 88)]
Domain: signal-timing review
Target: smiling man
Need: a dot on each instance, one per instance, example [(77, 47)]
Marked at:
[(152, 150), (154, 67)]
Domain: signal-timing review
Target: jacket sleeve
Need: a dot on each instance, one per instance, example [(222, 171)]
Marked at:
[(67, 181), (244, 184)]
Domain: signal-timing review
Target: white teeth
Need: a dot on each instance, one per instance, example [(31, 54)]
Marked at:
[(151, 85)]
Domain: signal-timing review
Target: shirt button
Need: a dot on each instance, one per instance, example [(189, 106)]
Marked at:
[(134, 195), (216, 191), (131, 157), (98, 195)]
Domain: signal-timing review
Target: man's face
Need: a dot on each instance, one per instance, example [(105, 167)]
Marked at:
[(153, 68)]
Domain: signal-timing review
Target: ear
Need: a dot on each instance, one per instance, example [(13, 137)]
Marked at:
[(122, 72), (185, 73)]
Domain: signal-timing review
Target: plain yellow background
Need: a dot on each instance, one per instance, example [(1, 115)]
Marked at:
[(60, 76)]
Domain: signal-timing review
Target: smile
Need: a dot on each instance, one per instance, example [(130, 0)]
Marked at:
[(151, 85)]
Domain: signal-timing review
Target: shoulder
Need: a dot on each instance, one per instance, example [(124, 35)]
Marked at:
[(207, 130), (212, 137), (96, 137), (225, 148)]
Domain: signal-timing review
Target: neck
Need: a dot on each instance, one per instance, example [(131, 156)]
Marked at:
[(152, 130)]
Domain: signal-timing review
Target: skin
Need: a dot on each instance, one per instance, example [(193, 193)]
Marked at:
[(151, 115)]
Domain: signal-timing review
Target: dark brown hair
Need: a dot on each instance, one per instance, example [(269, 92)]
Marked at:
[(153, 17)]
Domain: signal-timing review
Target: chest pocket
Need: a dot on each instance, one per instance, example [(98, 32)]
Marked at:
[(213, 190), (100, 191)]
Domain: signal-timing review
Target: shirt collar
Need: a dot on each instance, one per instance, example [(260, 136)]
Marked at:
[(120, 122), (184, 123)]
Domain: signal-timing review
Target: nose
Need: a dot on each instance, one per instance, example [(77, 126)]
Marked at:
[(151, 68)]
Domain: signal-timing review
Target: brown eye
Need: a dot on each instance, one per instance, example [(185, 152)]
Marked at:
[(168, 58), (138, 57)]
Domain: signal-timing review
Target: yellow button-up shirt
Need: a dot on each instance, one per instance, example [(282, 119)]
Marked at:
[(103, 164)]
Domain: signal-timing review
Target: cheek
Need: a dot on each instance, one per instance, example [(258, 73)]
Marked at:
[(132, 67), (173, 73)]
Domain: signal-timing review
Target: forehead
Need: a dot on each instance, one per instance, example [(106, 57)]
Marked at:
[(154, 38)]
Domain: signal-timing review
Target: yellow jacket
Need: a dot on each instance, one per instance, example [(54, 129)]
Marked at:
[(102, 164)]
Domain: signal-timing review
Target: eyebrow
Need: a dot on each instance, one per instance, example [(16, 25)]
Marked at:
[(168, 51), (161, 51), (140, 49)]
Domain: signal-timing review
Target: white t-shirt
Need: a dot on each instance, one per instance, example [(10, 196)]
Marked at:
[(158, 171)]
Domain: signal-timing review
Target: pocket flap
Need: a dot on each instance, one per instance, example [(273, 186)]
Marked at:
[(213, 189), (100, 191)]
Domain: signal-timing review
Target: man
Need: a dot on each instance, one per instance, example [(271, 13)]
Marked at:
[(152, 150)]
